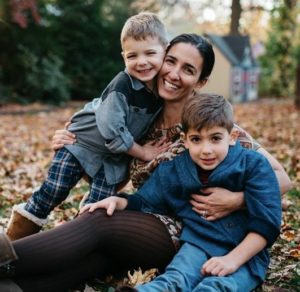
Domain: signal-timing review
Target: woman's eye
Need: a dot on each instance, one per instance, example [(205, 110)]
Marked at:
[(189, 71), (169, 61)]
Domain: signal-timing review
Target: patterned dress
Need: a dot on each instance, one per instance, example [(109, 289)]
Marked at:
[(140, 170)]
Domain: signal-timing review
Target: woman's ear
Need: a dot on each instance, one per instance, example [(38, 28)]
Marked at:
[(201, 83), (234, 134)]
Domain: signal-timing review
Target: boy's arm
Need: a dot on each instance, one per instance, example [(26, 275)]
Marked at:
[(252, 244), (150, 198), (111, 117), (262, 197), (110, 204)]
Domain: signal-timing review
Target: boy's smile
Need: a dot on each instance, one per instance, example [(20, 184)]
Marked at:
[(209, 147), (143, 58)]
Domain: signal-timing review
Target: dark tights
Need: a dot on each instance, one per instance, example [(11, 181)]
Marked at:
[(91, 245)]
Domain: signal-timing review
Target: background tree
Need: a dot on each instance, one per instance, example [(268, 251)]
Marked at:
[(279, 61), (73, 51), (236, 12), (62, 48)]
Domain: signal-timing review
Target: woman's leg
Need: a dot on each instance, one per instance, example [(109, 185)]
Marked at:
[(133, 238), (92, 266)]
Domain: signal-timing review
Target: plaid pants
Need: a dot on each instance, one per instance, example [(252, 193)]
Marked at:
[(64, 173)]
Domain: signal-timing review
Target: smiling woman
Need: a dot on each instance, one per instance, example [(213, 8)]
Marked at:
[(93, 243)]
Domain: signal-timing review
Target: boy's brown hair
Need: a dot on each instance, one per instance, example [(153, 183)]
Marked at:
[(142, 25), (206, 111)]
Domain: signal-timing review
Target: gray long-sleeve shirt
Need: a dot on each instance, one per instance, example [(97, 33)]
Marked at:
[(107, 126)]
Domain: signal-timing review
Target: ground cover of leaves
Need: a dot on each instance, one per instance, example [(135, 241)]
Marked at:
[(25, 153)]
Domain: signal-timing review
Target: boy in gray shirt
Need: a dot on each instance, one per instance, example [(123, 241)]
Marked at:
[(107, 129)]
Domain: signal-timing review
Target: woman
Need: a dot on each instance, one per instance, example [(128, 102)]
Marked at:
[(93, 243)]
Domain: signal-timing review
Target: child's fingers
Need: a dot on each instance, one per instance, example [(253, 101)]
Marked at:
[(208, 266), (223, 273), (216, 270), (96, 206), (84, 208), (111, 208)]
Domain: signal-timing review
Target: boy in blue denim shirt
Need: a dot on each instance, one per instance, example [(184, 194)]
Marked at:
[(229, 254), (107, 129)]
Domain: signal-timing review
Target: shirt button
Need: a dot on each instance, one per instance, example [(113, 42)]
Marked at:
[(230, 225), (136, 110), (121, 129)]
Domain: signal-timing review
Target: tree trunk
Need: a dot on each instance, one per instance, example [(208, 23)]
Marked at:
[(297, 93), (236, 11)]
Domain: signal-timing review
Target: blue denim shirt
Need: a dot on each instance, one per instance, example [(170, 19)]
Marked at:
[(169, 188), (107, 126)]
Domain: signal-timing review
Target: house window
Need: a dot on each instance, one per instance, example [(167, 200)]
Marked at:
[(237, 84)]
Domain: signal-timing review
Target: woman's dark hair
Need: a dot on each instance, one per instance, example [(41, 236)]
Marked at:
[(204, 47)]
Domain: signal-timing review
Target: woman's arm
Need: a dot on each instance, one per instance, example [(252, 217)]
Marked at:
[(216, 203), (284, 181), (219, 202)]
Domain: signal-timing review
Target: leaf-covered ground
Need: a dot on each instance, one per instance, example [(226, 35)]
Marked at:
[(25, 135)]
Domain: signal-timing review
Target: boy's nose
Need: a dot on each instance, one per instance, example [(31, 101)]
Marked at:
[(141, 61), (206, 149)]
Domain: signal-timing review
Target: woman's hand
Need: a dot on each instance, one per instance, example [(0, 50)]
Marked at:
[(110, 204), (62, 137), (216, 203)]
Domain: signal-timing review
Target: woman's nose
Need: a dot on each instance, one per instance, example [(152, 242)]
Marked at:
[(174, 74)]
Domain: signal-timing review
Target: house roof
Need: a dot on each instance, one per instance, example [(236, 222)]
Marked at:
[(235, 48)]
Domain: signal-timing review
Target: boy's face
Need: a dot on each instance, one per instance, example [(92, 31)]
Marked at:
[(143, 58), (209, 147)]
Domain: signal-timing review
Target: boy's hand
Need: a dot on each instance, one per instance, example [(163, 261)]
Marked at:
[(152, 149), (110, 204), (219, 266)]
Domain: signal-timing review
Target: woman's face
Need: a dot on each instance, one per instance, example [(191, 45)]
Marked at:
[(180, 72)]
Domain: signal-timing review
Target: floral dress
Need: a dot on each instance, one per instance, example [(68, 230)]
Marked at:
[(140, 170)]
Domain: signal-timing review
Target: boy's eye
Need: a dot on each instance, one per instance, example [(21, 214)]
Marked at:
[(151, 53), (195, 139), (130, 56), (216, 138)]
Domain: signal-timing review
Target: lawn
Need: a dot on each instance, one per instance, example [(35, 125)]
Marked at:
[(25, 135)]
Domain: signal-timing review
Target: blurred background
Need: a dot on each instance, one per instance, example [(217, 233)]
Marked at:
[(53, 51)]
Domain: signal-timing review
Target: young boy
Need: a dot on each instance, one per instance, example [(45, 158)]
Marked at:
[(107, 129), (229, 254)]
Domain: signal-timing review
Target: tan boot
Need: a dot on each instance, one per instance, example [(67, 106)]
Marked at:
[(22, 223)]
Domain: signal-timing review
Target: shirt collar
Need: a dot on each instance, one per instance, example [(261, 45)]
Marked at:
[(135, 83)]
